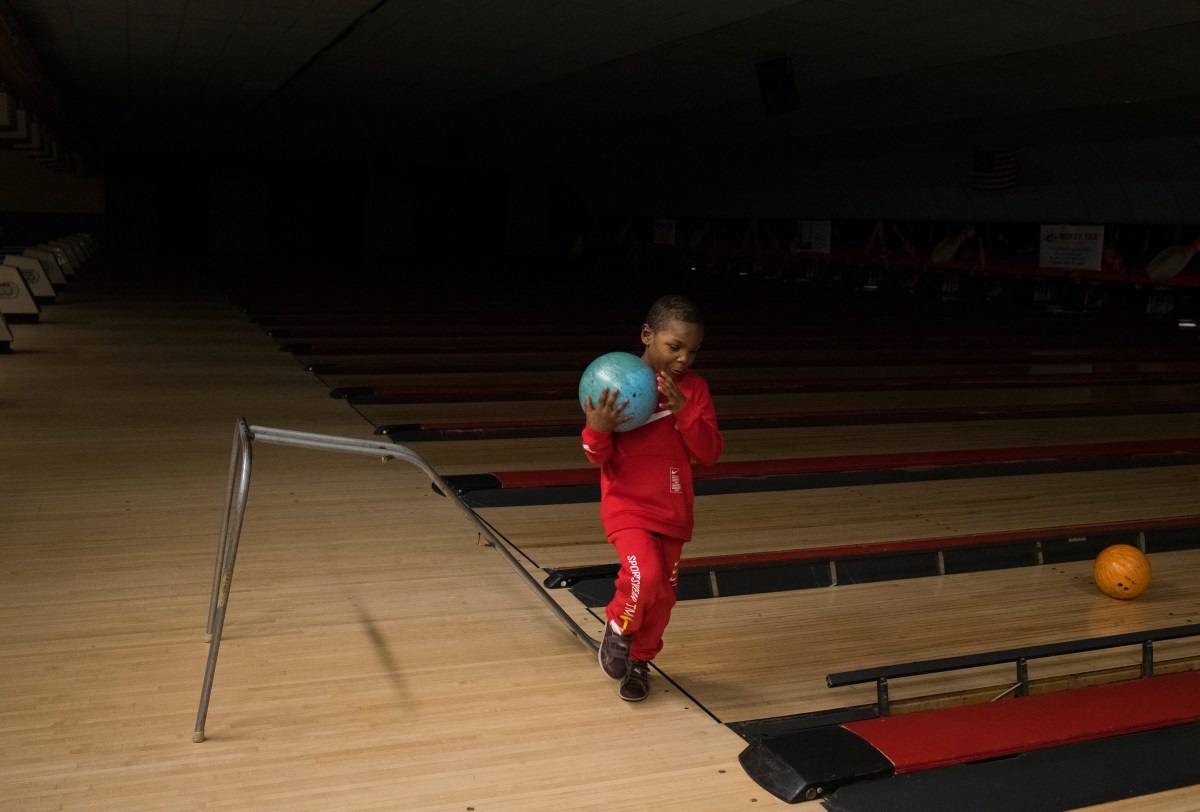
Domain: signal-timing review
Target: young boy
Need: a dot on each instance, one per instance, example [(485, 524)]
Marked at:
[(646, 489)]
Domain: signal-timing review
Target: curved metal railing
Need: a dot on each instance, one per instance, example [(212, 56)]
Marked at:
[(235, 508)]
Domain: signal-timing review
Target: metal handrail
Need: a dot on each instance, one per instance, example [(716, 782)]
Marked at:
[(235, 508), (1018, 656)]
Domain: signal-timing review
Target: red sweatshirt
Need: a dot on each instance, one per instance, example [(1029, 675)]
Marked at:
[(646, 473)]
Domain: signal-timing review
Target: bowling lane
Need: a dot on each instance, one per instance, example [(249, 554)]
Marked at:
[(742, 406), (570, 535), (760, 656), (481, 456)]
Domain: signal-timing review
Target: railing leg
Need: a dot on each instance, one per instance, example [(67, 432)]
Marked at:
[(239, 439), (235, 511), (881, 696), (1022, 677), (1147, 658)]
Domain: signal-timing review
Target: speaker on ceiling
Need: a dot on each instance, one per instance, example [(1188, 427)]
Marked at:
[(777, 83)]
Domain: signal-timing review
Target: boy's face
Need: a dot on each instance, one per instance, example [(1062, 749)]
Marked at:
[(672, 349)]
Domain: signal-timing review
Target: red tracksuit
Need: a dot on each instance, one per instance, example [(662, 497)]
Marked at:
[(646, 506)]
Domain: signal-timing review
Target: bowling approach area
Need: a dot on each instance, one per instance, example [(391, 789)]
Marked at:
[(889, 601)]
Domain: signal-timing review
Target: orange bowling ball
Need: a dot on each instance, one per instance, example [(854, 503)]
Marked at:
[(1122, 571)]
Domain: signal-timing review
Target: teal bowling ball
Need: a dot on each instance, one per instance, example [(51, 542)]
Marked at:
[(625, 372)]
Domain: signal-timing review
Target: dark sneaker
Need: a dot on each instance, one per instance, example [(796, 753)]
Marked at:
[(636, 685), (614, 652)]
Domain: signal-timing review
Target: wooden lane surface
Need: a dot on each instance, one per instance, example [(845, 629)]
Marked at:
[(765, 311), (762, 656), (374, 657), (354, 672), (755, 308), (750, 335), (531, 454), (372, 363), (767, 404), (1184, 799), (464, 385), (732, 524)]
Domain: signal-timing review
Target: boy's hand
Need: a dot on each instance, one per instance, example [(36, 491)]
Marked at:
[(606, 414), (675, 398)]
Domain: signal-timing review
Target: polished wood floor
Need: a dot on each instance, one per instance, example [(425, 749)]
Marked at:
[(376, 656)]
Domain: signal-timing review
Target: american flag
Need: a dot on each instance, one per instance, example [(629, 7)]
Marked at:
[(994, 169)]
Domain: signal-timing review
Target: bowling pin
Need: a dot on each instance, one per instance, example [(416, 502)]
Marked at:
[(1168, 262), (945, 250)]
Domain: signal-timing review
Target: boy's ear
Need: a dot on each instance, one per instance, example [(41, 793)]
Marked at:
[(647, 334)]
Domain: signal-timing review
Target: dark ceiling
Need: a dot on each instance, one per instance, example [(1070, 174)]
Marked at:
[(565, 78)]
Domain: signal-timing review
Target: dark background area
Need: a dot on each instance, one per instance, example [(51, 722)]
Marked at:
[(372, 133)]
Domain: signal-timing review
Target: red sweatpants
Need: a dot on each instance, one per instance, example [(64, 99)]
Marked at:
[(646, 588)]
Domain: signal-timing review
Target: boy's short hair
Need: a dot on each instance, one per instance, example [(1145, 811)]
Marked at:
[(673, 307)]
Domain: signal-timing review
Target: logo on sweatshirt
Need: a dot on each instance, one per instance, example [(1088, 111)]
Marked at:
[(676, 482)]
